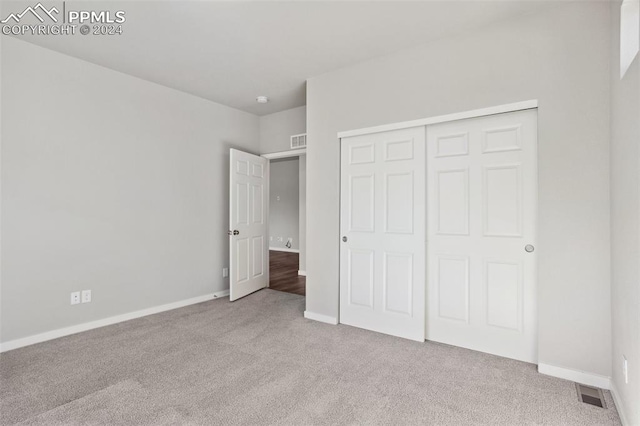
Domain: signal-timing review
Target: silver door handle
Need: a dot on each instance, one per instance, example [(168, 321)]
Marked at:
[(529, 248), (234, 232), (344, 239)]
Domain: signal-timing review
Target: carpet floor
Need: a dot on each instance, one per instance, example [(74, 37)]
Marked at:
[(258, 361)]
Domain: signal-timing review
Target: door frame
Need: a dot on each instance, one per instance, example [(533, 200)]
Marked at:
[(424, 122), (276, 156)]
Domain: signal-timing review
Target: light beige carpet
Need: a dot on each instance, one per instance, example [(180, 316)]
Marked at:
[(258, 361)]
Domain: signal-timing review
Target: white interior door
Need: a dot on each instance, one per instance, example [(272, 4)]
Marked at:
[(482, 198), (248, 217), (382, 220)]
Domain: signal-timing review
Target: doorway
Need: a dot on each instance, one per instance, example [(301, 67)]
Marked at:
[(287, 199)]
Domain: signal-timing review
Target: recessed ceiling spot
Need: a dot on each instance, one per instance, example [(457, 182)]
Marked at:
[(262, 99)]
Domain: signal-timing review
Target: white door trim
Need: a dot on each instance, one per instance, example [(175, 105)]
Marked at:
[(498, 109), (285, 154)]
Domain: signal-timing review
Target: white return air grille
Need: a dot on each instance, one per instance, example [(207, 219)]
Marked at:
[(299, 141)]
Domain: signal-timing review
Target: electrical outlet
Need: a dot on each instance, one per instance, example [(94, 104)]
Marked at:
[(625, 369), (278, 198), (75, 297), (86, 296), (225, 272)]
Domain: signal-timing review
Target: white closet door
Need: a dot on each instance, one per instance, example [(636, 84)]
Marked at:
[(482, 190), (382, 220)]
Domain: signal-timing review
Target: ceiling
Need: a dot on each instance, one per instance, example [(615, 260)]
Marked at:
[(230, 52)]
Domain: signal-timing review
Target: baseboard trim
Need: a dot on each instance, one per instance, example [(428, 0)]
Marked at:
[(67, 331), (577, 376), (303, 273), (619, 405), (288, 250), (322, 318)]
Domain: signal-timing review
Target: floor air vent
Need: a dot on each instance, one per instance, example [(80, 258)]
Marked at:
[(589, 395)]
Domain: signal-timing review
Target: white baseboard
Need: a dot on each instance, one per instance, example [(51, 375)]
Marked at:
[(61, 332), (619, 404), (304, 273), (322, 318), (582, 377), (288, 250)]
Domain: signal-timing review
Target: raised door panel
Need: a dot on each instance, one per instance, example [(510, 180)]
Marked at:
[(452, 284), (361, 278), (452, 145), (398, 200), (398, 282), (452, 202), (362, 203), (504, 294), (362, 154), (502, 139), (398, 150), (258, 255), (242, 208), (242, 258), (502, 201), (257, 195)]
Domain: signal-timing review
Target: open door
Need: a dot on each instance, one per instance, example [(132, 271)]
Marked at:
[(248, 218)]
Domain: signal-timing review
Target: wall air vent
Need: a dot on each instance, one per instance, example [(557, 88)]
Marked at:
[(299, 141)]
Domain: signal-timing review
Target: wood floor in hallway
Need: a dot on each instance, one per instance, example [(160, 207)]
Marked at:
[(283, 273)]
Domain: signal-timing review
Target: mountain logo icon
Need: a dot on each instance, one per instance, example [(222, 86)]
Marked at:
[(16, 17)]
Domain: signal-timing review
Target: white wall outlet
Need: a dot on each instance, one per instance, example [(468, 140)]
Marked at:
[(271, 238), (75, 297), (225, 272), (277, 198), (86, 296), (625, 369)]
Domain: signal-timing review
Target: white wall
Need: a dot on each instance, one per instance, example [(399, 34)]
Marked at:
[(561, 58), (276, 129), (109, 183), (284, 205), (625, 225)]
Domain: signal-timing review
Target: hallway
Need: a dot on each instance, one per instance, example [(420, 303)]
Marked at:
[(283, 273)]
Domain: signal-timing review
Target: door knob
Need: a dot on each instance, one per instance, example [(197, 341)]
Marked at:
[(344, 239), (234, 232), (529, 248)]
